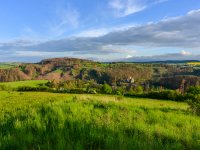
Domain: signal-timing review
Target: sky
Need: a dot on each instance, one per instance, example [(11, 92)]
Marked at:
[(103, 30)]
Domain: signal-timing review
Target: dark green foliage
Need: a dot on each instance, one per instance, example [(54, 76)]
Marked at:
[(28, 88), (91, 90), (50, 84), (166, 95), (77, 91), (106, 89), (139, 89), (194, 103), (193, 90), (193, 99), (119, 91), (4, 88)]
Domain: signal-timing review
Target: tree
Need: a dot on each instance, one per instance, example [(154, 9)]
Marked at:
[(106, 89), (194, 103), (193, 90), (139, 89)]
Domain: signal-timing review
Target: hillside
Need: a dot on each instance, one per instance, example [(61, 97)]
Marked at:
[(148, 75), (61, 69)]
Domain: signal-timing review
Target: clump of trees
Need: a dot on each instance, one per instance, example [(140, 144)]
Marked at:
[(106, 89), (193, 99)]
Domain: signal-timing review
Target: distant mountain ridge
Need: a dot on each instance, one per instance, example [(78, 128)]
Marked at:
[(62, 69), (183, 56), (46, 69)]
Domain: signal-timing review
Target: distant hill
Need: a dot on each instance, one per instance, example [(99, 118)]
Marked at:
[(156, 73), (49, 69), (174, 57), (169, 61), (62, 69)]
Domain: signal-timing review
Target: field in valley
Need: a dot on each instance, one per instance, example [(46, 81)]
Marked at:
[(8, 65), (29, 83), (40, 120)]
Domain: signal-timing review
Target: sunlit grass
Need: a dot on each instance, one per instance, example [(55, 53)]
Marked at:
[(35, 120), (194, 63), (31, 83), (8, 65)]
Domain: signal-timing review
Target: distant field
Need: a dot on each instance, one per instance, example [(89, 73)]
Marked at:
[(31, 83), (35, 120), (193, 63), (8, 65)]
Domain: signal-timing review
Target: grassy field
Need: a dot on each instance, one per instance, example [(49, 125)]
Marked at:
[(8, 65), (31, 83), (34, 120), (193, 63)]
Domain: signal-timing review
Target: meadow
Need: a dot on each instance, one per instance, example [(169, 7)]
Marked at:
[(29, 83), (194, 63), (8, 65), (40, 120)]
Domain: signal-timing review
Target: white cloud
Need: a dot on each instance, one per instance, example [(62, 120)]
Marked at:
[(129, 56), (176, 33), (67, 18), (92, 33), (103, 31), (124, 8), (183, 52), (193, 11), (165, 57), (179, 32)]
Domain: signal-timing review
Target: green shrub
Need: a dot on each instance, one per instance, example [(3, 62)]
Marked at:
[(193, 90), (28, 88), (91, 91), (77, 91), (168, 94), (4, 88), (194, 103), (139, 89), (106, 89), (119, 91)]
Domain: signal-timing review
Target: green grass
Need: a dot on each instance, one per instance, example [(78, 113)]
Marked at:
[(34, 120), (30, 83), (8, 65)]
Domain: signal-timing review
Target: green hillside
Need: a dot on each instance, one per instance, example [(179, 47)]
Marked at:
[(39, 120)]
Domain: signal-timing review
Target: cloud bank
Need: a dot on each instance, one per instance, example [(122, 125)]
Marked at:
[(124, 8), (165, 57), (179, 32)]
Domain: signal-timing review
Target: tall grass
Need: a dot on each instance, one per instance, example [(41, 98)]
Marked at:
[(62, 121)]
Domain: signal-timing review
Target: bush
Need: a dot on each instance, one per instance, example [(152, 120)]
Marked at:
[(195, 104), (167, 95), (91, 91), (28, 88), (77, 91), (139, 89), (4, 88), (106, 89), (193, 90), (119, 91)]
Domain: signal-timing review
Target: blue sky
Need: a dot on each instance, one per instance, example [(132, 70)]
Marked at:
[(97, 29)]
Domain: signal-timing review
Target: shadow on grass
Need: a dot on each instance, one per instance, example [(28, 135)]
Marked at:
[(49, 129)]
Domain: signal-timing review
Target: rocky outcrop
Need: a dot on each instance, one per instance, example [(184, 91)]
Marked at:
[(13, 74)]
